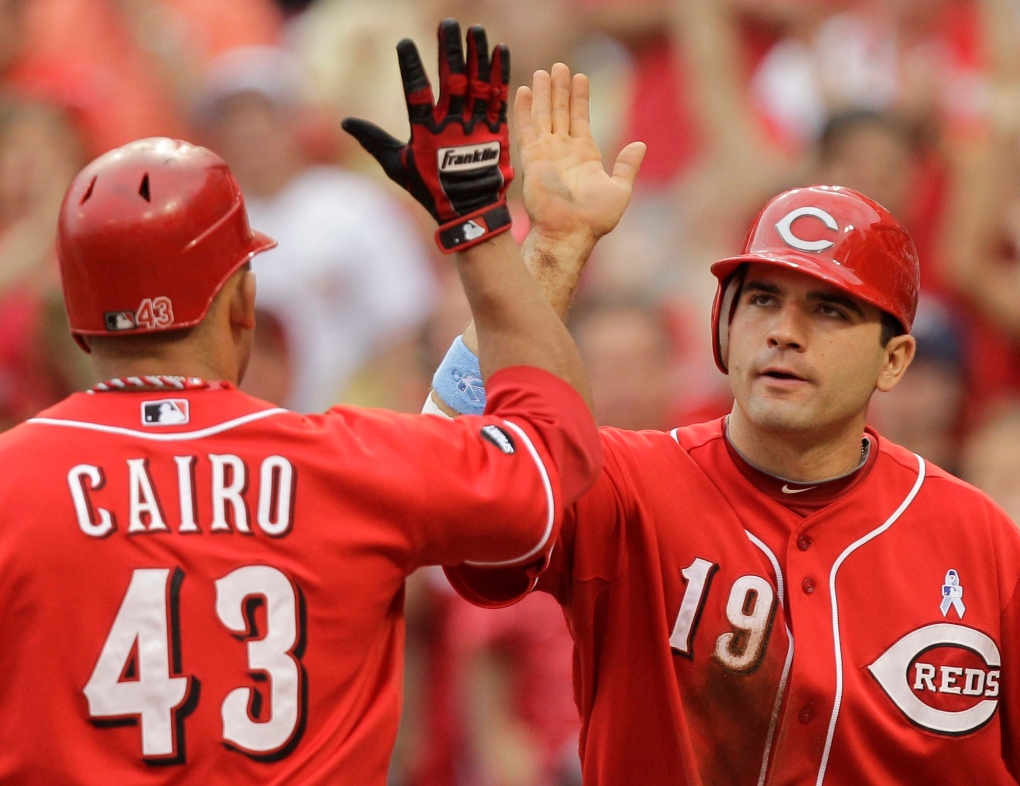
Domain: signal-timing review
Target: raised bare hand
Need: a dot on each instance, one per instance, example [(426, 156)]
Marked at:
[(567, 191)]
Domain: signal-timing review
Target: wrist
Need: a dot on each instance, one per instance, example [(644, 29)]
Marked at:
[(469, 230), (458, 381), (569, 244), (556, 263)]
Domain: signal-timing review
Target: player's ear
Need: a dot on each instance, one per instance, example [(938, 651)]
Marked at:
[(242, 300), (899, 354)]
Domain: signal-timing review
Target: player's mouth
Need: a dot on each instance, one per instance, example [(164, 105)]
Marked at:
[(781, 375)]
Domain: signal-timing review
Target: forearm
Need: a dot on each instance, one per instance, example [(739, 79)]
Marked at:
[(510, 310), (556, 265)]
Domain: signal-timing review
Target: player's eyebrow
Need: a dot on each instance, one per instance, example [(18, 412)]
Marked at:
[(760, 286), (817, 296), (836, 298)]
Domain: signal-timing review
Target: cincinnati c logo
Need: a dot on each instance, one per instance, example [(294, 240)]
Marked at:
[(943, 677), (785, 229)]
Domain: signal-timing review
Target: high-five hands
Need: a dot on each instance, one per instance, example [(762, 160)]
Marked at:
[(457, 162)]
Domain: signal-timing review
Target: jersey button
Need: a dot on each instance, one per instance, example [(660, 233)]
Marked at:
[(808, 585), (804, 542), (806, 715)]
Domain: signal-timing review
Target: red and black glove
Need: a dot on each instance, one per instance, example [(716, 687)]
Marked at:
[(457, 163)]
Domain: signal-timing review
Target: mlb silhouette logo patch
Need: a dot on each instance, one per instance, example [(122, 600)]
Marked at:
[(120, 320), (165, 412), (472, 230)]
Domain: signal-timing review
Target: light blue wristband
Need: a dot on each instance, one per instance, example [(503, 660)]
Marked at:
[(458, 380)]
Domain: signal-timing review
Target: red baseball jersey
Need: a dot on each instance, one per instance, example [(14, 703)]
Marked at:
[(200, 588), (732, 632)]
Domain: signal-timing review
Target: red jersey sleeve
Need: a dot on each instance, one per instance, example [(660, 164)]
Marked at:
[(602, 507), (481, 490)]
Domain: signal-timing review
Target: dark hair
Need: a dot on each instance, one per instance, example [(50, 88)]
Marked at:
[(891, 328)]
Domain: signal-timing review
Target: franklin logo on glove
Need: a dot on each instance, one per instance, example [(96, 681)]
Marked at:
[(453, 159)]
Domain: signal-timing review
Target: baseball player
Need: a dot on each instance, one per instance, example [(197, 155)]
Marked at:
[(780, 596), (200, 588)]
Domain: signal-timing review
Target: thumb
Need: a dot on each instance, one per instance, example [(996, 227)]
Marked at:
[(628, 164), (383, 147)]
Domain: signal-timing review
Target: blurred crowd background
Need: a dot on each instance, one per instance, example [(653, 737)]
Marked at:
[(914, 102)]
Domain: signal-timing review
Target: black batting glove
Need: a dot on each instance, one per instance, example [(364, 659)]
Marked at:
[(457, 163)]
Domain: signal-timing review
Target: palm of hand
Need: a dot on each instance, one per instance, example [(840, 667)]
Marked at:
[(567, 189)]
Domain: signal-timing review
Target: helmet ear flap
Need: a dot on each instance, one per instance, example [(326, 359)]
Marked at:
[(725, 306)]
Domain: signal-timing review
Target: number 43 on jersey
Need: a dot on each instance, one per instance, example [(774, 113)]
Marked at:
[(137, 675)]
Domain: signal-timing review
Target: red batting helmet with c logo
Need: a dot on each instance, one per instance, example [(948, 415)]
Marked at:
[(831, 233), (148, 234)]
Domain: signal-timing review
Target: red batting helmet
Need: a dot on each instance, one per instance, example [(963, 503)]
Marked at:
[(833, 234), (148, 234)]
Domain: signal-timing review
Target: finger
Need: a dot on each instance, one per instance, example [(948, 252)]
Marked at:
[(478, 71), (541, 104), (580, 109), (628, 164), (452, 73), (526, 132), (383, 147), (560, 78), (417, 90), (371, 136), (500, 85)]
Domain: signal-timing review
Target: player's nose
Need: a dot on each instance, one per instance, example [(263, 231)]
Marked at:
[(786, 329)]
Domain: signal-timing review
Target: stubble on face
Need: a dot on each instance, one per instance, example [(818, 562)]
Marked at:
[(794, 368)]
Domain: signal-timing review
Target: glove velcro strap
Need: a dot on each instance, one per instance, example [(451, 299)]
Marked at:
[(474, 228)]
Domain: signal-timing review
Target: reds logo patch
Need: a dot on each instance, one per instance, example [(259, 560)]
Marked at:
[(943, 677)]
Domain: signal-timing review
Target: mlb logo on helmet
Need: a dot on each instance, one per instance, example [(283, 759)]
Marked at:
[(165, 412), (120, 320)]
